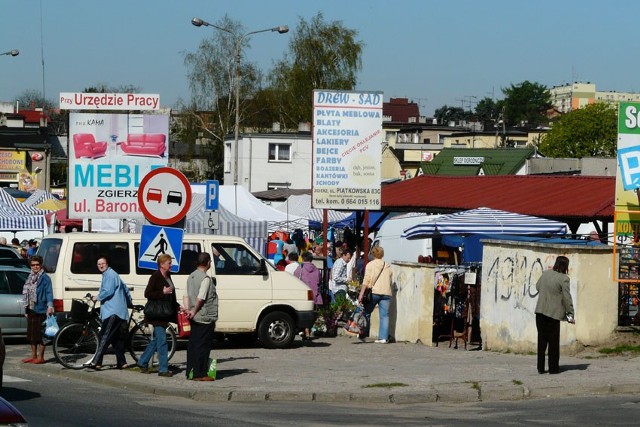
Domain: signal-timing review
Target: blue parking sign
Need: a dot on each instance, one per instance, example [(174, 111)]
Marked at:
[(629, 164), (211, 198)]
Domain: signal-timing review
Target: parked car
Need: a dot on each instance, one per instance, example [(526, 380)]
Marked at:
[(10, 252), (12, 320), (10, 416)]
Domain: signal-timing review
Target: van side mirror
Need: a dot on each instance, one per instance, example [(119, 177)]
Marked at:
[(263, 268)]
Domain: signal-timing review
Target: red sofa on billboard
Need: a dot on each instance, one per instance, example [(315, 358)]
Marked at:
[(85, 145), (144, 144)]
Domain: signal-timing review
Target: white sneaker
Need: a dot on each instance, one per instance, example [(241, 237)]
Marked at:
[(381, 341)]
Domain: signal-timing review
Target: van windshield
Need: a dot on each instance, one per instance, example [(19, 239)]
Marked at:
[(234, 259), (49, 250)]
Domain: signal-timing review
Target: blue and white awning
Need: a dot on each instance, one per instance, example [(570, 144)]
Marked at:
[(19, 223), (9, 203), (485, 221)]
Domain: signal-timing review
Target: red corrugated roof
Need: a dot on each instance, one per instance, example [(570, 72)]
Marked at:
[(565, 198)]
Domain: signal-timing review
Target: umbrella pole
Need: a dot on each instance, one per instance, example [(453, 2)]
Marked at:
[(365, 237)]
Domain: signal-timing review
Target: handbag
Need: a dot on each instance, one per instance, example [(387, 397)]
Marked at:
[(184, 326), (159, 309), (367, 298)]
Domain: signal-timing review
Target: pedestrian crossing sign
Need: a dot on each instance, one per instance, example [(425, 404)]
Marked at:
[(155, 241)]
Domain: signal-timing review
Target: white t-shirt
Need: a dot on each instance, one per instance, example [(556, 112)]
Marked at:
[(291, 267)]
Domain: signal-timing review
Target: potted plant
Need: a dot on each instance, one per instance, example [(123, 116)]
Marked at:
[(333, 312)]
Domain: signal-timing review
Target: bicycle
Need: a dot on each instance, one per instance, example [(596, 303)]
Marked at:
[(141, 333), (76, 343)]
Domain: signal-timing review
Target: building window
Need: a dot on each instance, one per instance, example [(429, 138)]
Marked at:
[(279, 152), (277, 185), (227, 158)]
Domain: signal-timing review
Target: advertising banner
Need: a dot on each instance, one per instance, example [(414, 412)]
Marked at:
[(109, 101), (626, 247), (628, 173), (347, 149), (12, 161), (109, 155)]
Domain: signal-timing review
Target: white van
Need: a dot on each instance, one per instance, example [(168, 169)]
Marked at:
[(254, 297), (397, 248)]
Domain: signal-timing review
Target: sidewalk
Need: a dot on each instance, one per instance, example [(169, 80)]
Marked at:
[(342, 369)]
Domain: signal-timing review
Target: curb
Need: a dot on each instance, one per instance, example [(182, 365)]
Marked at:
[(461, 392)]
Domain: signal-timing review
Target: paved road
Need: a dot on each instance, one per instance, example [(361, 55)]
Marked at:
[(343, 369)]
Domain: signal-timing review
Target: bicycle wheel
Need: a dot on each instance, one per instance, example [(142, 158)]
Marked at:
[(141, 335), (75, 344)]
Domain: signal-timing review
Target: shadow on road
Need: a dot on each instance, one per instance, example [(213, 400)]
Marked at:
[(13, 394)]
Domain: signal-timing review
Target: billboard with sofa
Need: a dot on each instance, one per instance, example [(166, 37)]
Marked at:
[(109, 154)]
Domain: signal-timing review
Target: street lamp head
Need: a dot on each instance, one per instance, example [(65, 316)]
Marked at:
[(14, 52), (282, 29), (199, 22)]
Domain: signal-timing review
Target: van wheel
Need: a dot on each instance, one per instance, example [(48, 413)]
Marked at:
[(276, 330)]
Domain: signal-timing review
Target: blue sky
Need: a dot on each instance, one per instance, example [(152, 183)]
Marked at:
[(433, 52)]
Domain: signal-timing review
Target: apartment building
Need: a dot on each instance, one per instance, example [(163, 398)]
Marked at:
[(573, 96)]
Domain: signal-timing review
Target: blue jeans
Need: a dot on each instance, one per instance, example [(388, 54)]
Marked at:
[(383, 302), (159, 343)]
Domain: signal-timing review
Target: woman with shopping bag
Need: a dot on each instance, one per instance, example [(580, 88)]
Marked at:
[(37, 299), (162, 308)]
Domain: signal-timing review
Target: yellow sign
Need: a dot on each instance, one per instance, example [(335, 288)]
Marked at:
[(626, 246), (12, 161)]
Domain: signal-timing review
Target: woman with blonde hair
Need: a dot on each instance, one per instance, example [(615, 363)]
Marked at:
[(377, 277), (160, 287)]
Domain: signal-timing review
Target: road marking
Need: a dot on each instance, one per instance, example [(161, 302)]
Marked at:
[(10, 379)]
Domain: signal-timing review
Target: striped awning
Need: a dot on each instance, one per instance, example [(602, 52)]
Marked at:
[(19, 223), (485, 221), (300, 205), (9, 203)]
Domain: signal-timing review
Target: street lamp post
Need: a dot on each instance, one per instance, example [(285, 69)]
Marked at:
[(240, 38), (14, 52)]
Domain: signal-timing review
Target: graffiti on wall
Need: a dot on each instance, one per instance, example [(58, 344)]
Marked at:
[(513, 278)]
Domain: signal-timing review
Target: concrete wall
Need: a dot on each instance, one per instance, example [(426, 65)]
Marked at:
[(411, 313), (508, 294)]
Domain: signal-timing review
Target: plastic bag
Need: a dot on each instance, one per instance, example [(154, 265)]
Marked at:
[(51, 326), (184, 326), (213, 363), (357, 322)]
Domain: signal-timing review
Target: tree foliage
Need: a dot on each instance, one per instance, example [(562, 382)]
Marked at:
[(590, 131), (106, 88), (212, 79), (445, 114), (526, 104), (321, 55), (30, 99), (488, 112)]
